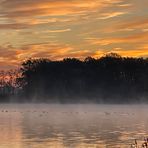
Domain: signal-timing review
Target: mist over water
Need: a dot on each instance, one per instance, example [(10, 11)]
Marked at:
[(108, 79), (71, 126)]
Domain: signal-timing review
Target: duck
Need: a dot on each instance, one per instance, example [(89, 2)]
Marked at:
[(145, 144), (134, 145)]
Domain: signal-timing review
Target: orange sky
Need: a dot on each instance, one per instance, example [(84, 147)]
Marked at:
[(71, 28)]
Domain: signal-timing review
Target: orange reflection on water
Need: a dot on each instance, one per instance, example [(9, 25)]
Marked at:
[(71, 126)]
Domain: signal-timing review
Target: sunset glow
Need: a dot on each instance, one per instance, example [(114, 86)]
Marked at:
[(57, 29)]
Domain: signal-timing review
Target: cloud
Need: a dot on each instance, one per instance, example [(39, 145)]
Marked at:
[(8, 57), (12, 57), (35, 11), (25, 8), (15, 56), (134, 24), (14, 26), (141, 52), (134, 38), (53, 51), (111, 15), (58, 31)]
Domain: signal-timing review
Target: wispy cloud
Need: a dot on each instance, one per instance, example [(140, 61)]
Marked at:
[(58, 31), (137, 37), (17, 9), (111, 15), (70, 28), (137, 23)]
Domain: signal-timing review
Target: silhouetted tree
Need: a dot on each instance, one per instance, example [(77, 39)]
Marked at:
[(8, 85), (111, 78)]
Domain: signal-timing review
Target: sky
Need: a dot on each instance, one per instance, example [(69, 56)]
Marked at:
[(57, 29)]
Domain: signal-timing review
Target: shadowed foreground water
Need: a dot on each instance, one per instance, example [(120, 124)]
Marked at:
[(71, 126)]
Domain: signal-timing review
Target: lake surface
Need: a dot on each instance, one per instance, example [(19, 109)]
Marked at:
[(72, 126)]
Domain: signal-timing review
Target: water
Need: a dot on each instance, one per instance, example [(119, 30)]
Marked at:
[(72, 126)]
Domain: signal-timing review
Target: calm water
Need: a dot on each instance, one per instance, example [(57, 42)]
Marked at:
[(72, 126)]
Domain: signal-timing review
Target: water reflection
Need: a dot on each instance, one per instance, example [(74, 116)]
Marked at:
[(71, 126)]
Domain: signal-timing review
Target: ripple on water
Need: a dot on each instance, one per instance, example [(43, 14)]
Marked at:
[(71, 126)]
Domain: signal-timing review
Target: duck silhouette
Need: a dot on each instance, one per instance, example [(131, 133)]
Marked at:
[(134, 145), (145, 144)]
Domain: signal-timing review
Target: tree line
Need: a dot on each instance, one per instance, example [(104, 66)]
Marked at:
[(108, 79)]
